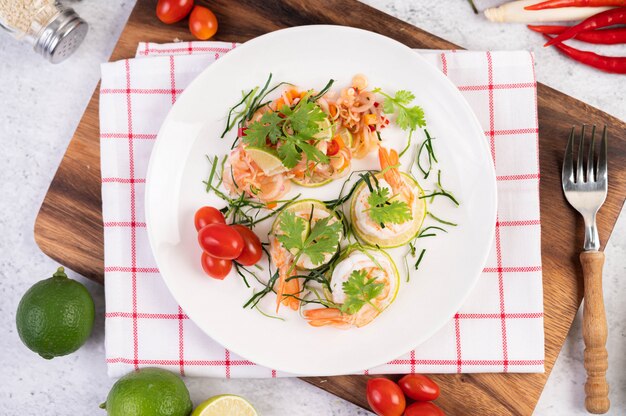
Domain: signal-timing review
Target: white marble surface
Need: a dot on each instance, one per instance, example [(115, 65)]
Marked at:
[(40, 106)]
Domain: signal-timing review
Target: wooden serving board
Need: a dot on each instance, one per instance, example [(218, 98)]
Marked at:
[(69, 225)]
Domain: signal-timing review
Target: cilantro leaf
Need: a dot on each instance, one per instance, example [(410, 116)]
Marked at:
[(322, 239), (289, 154), (385, 210), (267, 126), (407, 118), (359, 290), (292, 229)]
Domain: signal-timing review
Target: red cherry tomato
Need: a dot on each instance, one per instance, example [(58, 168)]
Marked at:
[(221, 241), (423, 409), (172, 11), (208, 215), (419, 387), (216, 268), (385, 397), (333, 148), (202, 23), (252, 249)]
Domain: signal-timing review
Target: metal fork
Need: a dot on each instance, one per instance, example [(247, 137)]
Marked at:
[(587, 192)]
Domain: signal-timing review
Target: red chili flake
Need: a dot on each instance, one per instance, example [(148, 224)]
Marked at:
[(372, 127), (376, 104)]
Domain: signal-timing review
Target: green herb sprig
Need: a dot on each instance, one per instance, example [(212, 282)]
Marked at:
[(407, 118), (360, 290)]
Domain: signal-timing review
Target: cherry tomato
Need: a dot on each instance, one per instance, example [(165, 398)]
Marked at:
[(419, 387), (216, 268), (202, 23), (252, 249), (172, 11), (208, 215), (221, 241), (423, 409), (385, 397), (333, 148)]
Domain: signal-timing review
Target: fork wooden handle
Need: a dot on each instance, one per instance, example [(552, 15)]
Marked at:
[(595, 333)]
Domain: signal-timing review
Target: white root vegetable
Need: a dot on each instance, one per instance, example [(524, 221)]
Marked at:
[(514, 12)]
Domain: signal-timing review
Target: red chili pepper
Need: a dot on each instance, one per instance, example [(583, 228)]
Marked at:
[(241, 131), (555, 4), (613, 64), (607, 18), (600, 36)]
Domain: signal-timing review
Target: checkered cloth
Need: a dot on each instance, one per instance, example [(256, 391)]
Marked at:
[(500, 327)]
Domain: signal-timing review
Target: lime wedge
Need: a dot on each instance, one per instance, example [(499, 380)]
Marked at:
[(267, 160), (325, 130), (346, 136), (225, 405)]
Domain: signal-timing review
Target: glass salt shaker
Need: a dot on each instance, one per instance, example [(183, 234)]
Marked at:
[(55, 31)]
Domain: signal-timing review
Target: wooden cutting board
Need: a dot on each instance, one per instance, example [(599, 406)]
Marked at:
[(69, 225)]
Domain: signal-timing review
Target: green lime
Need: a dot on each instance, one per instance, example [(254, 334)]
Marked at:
[(55, 316), (325, 130), (148, 392), (225, 405), (267, 159)]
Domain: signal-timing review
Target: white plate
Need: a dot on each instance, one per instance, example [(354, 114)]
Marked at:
[(309, 56)]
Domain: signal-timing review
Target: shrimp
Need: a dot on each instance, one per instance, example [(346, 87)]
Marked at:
[(389, 162), (242, 174), (284, 260), (357, 260)]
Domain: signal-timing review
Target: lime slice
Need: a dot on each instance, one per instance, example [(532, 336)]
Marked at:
[(346, 136), (311, 184), (396, 240), (225, 405), (267, 160), (326, 130)]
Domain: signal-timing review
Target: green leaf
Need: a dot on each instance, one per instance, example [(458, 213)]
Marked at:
[(359, 290), (292, 228), (407, 118), (323, 238), (385, 210), (404, 97), (289, 154), (268, 126)]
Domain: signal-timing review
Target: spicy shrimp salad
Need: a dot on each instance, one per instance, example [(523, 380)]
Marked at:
[(326, 260)]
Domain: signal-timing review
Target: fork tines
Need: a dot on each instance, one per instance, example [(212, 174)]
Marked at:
[(595, 171)]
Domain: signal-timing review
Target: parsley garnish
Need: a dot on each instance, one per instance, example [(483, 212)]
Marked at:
[(322, 239), (384, 210), (359, 291), (294, 128), (407, 118)]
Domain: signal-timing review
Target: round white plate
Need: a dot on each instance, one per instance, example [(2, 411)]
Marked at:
[(308, 56)]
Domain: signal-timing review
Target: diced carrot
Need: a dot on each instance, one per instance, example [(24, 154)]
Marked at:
[(370, 119), (332, 108), (279, 103), (271, 205), (339, 141)]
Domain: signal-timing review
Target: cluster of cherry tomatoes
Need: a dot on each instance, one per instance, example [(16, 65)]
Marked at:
[(387, 398), (222, 244), (202, 21)]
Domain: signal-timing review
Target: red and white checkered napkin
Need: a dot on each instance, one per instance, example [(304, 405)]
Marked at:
[(499, 329)]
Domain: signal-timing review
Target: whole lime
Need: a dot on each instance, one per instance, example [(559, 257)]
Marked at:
[(55, 316), (148, 392)]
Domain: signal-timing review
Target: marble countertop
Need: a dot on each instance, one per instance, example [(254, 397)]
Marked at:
[(40, 107)]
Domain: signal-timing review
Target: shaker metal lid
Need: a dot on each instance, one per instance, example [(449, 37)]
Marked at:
[(62, 36)]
